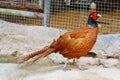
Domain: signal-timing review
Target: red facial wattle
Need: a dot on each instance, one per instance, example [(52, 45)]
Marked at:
[(94, 15)]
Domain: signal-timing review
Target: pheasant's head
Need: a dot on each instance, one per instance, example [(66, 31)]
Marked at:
[(92, 19)]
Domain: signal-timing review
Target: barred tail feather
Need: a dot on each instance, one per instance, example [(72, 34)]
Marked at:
[(31, 55), (47, 52)]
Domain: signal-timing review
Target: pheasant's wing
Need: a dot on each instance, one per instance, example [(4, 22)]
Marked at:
[(73, 45), (79, 33), (76, 41)]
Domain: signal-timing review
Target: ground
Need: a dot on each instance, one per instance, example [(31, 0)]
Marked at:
[(16, 40), (36, 72)]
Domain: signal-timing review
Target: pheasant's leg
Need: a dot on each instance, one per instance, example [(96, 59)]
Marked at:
[(65, 65), (74, 61), (80, 67)]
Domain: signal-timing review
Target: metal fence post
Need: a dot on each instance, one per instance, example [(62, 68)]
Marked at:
[(46, 19)]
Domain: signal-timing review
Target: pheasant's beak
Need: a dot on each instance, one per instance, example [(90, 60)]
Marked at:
[(99, 25), (99, 15)]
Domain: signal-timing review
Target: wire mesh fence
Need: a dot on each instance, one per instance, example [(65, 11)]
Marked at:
[(70, 14), (64, 14), (21, 11)]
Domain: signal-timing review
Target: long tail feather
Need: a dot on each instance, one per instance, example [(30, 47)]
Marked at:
[(31, 55), (47, 52)]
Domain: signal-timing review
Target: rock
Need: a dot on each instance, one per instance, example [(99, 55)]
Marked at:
[(109, 62), (87, 62), (107, 45)]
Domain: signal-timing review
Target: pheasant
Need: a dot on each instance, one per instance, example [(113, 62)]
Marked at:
[(72, 44)]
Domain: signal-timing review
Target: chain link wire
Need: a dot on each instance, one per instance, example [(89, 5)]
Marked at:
[(64, 14)]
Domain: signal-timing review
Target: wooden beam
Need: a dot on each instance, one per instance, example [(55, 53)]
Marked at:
[(22, 5), (21, 13)]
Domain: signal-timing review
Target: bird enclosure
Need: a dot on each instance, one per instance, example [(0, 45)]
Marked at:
[(63, 14), (21, 39)]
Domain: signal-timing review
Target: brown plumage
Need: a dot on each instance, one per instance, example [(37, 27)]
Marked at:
[(72, 44)]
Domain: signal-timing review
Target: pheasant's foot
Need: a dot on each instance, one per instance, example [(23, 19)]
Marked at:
[(73, 62), (65, 66)]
